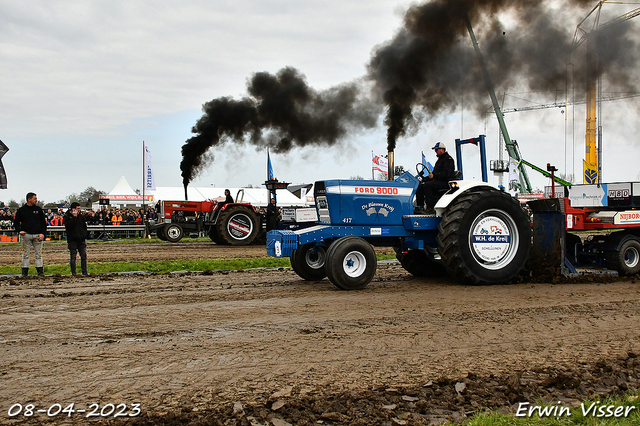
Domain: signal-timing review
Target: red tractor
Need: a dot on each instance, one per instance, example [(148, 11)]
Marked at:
[(233, 224)]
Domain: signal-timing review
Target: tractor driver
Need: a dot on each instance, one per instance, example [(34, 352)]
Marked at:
[(438, 179), (227, 198)]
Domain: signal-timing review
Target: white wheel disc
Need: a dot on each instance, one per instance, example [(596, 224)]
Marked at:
[(494, 239), (631, 257), (354, 264)]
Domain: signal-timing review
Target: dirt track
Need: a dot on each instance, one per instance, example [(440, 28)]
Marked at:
[(189, 346), (118, 252)]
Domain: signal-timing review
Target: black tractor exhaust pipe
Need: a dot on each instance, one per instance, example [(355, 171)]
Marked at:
[(390, 176)]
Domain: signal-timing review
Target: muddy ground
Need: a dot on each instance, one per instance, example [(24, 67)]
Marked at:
[(264, 347), (116, 251)]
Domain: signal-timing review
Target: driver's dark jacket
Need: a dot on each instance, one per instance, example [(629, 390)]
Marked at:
[(444, 169)]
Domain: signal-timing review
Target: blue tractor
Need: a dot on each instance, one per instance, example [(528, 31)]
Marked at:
[(479, 234)]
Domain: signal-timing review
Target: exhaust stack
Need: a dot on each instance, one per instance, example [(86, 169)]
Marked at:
[(390, 176), (185, 193)]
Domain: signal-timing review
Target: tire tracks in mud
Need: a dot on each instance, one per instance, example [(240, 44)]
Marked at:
[(212, 339)]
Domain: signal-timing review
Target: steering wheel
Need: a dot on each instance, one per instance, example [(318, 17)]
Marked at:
[(421, 168)]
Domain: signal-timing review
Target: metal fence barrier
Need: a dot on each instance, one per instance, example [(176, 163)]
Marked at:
[(98, 232)]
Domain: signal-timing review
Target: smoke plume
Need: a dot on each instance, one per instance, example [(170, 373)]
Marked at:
[(419, 74), (282, 112), (430, 62)]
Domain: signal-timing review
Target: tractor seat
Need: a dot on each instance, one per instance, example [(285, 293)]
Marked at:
[(457, 175)]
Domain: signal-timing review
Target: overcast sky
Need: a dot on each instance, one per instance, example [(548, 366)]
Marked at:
[(84, 83)]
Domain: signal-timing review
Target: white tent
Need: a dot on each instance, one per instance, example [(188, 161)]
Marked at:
[(122, 188), (122, 194)]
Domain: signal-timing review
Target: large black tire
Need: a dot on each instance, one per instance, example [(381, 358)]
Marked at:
[(420, 263), (484, 237), (308, 262), (626, 260), (237, 226), (213, 235), (173, 232), (350, 263)]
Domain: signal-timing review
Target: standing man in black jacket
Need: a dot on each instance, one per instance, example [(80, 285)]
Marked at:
[(443, 172), (76, 227), (272, 215), (31, 223)]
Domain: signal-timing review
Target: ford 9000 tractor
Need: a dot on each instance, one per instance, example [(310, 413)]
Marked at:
[(479, 234)]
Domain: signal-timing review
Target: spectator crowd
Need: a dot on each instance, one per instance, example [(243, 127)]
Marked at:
[(104, 216)]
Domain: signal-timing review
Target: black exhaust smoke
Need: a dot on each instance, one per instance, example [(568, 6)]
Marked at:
[(281, 112), (426, 68), (419, 74)]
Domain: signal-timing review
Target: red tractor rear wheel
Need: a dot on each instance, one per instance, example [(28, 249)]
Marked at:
[(237, 226)]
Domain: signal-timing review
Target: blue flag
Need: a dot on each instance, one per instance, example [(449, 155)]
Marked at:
[(426, 164), (269, 168)]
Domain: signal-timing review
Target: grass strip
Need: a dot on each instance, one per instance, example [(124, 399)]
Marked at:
[(166, 265), (595, 412)]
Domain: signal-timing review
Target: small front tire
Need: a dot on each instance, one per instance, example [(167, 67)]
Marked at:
[(351, 263), (173, 233), (160, 234), (308, 262)]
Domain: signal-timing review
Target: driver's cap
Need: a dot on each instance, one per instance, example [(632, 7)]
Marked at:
[(439, 145)]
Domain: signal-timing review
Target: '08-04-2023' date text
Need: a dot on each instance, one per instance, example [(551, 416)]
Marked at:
[(93, 410)]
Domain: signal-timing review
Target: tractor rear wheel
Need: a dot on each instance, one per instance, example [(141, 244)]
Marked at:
[(484, 237), (420, 263), (308, 262), (173, 232), (237, 226), (213, 235), (351, 263), (626, 260)]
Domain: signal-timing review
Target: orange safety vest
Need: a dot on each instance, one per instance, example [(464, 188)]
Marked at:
[(116, 219)]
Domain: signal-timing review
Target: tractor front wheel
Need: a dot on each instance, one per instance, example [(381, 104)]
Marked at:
[(308, 262), (173, 232), (351, 263), (160, 233)]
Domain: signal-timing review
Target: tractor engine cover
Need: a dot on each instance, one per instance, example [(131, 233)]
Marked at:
[(365, 202)]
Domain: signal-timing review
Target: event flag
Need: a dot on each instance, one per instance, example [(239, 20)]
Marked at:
[(269, 168), (426, 164), (379, 163), (3, 175), (149, 180)]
